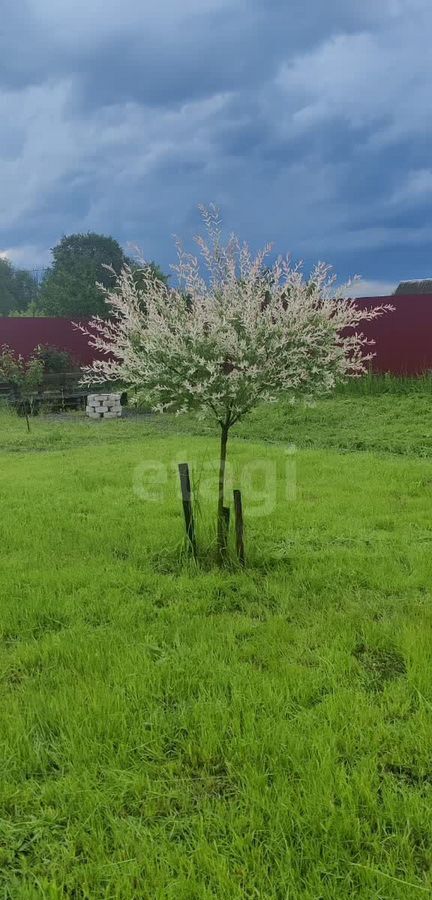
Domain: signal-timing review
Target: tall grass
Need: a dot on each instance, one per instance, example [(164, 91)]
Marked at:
[(372, 384)]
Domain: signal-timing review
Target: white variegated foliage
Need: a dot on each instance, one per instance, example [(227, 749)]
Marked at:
[(246, 332)]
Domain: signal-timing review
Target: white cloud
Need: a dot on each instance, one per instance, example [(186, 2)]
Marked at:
[(27, 256)]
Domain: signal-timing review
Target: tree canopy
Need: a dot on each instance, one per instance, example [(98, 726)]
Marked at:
[(70, 284), (18, 289)]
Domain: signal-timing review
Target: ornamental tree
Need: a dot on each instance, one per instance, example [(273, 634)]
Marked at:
[(237, 331)]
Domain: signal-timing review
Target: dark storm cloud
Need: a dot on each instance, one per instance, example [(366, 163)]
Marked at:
[(138, 52), (309, 124)]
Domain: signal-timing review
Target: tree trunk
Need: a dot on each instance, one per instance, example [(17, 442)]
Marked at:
[(221, 522)]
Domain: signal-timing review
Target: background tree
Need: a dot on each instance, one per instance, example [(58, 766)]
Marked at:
[(7, 297), (249, 332), (70, 284), (32, 311), (18, 289)]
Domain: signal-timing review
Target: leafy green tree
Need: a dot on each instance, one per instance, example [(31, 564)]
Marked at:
[(18, 289), (23, 377), (26, 289), (70, 285), (7, 297)]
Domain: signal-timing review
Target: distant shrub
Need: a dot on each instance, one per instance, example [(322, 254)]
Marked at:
[(55, 361), (24, 378)]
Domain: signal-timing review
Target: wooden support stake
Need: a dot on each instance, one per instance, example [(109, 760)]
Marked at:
[(239, 527), (187, 505), (226, 515)]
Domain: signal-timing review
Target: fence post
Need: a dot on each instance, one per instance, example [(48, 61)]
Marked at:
[(239, 527), (226, 516), (187, 505)]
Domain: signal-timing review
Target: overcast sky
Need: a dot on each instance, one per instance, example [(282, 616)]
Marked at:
[(308, 123)]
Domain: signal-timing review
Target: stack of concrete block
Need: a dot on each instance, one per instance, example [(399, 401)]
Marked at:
[(103, 406)]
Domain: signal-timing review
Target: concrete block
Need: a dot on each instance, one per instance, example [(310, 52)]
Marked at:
[(103, 406)]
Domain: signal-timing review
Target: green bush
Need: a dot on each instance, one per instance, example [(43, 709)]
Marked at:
[(56, 361)]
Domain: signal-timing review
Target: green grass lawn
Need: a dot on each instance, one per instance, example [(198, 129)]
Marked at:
[(179, 732)]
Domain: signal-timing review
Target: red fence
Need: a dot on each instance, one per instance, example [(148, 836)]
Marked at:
[(23, 335), (403, 338)]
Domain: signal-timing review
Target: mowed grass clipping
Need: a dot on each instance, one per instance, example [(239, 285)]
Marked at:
[(183, 732)]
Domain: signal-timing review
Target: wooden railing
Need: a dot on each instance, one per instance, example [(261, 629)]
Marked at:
[(58, 388)]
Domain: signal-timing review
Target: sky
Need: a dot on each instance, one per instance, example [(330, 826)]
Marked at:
[(308, 123)]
